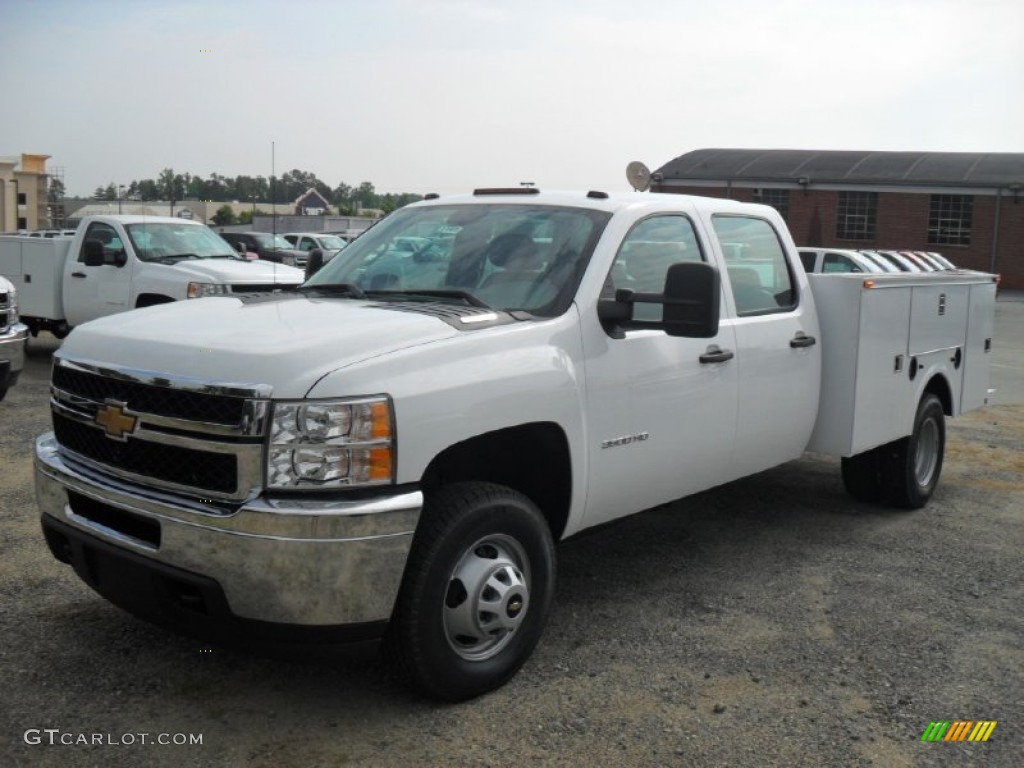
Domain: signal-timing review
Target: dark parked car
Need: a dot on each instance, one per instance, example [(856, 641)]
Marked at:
[(267, 246)]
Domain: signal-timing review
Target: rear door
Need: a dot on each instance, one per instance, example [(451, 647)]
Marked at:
[(778, 358)]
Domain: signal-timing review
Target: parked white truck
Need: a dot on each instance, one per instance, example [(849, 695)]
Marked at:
[(13, 336), (116, 263), (393, 449)]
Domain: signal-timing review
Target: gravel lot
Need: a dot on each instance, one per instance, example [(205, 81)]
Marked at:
[(770, 622)]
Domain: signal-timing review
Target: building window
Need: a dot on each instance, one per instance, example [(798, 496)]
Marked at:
[(22, 199), (855, 219), (776, 198), (949, 219)]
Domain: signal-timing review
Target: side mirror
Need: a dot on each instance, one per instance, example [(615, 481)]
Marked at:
[(92, 253), (314, 262), (241, 247), (690, 304), (692, 295)]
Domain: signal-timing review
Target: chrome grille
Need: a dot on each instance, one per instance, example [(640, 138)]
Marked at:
[(201, 438), (203, 470), (5, 314), (162, 401)]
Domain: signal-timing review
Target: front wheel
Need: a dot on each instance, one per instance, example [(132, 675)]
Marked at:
[(912, 465), (476, 591)]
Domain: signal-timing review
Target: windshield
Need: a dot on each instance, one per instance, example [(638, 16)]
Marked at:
[(510, 257), (332, 243), (154, 241), (269, 242)]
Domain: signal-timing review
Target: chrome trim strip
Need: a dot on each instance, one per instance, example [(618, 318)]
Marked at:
[(255, 418), (258, 419), (166, 380), (156, 436)]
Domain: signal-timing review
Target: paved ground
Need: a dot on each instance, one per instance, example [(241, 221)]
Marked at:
[(772, 622)]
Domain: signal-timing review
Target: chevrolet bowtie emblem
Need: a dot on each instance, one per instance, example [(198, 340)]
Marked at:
[(114, 419)]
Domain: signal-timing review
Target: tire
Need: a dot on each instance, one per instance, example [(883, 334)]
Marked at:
[(912, 465), (863, 478), (476, 592)]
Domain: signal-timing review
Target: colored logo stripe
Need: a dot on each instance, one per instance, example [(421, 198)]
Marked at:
[(982, 731), (958, 730)]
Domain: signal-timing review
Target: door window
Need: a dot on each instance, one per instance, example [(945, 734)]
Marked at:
[(646, 253), (106, 236), (759, 273)]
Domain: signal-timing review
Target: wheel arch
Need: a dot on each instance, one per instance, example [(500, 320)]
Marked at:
[(533, 459), (939, 386)]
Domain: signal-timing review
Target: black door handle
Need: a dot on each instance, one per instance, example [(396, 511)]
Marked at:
[(800, 340), (718, 356), (78, 274)]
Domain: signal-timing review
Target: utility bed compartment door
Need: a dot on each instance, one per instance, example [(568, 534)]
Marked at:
[(36, 267), (978, 351), (865, 389), (938, 318)]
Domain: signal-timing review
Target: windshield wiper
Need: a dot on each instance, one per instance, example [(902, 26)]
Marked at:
[(169, 258), (440, 293), (354, 290)]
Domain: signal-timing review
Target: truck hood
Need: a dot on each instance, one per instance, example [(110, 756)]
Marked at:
[(288, 342), (239, 271)]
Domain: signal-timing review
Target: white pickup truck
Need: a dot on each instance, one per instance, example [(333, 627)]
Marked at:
[(393, 449), (116, 263)]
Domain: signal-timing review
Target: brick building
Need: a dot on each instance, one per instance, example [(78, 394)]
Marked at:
[(969, 206)]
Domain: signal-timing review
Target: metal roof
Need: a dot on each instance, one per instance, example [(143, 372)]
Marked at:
[(962, 169)]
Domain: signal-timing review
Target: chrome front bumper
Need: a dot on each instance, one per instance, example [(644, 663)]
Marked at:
[(12, 348), (287, 561)]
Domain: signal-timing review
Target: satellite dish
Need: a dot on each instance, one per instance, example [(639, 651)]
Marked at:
[(639, 176)]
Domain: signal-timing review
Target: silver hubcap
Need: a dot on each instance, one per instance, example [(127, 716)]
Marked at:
[(488, 597), (927, 454)]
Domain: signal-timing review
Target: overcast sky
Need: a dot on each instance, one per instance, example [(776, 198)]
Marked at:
[(447, 95)]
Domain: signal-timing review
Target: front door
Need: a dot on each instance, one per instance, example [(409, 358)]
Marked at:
[(660, 420), (91, 292)]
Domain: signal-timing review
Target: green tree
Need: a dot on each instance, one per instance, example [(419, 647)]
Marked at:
[(245, 217), (171, 185), (224, 215)]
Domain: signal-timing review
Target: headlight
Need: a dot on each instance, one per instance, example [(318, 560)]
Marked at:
[(288, 261), (331, 444), (198, 290)]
